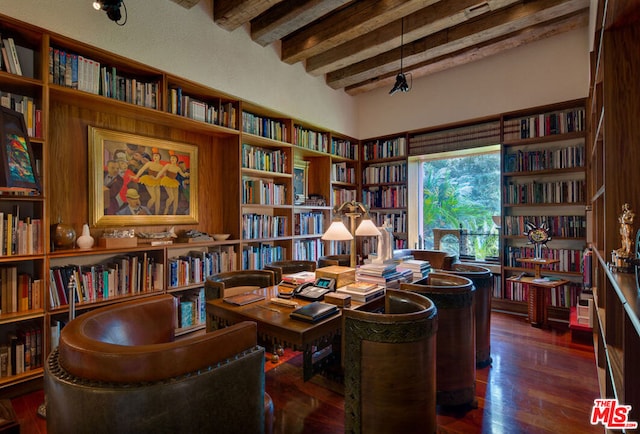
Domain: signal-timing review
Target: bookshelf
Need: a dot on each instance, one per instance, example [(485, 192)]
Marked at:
[(246, 159), (613, 180), (384, 183), (543, 179)]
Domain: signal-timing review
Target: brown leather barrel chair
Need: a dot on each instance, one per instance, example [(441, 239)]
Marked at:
[(390, 366), (119, 369), (222, 284), (439, 259), (289, 267), (328, 260)]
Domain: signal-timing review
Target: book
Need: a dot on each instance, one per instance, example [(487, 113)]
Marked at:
[(363, 297), (361, 286), (242, 299), (299, 278), (314, 312)]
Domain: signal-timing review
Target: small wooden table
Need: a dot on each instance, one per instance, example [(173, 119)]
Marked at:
[(315, 340), (536, 305)]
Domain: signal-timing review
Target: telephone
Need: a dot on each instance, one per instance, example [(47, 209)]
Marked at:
[(315, 290)]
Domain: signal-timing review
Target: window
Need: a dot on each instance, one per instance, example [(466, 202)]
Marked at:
[(459, 202)]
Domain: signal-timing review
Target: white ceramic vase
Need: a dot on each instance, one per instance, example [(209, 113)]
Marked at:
[(85, 241)]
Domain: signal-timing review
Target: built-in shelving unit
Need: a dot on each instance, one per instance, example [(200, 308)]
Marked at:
[(543, 179), (614, 107)]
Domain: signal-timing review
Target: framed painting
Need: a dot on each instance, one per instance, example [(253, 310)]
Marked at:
[(17, 169), (300, 182), (138, 180)]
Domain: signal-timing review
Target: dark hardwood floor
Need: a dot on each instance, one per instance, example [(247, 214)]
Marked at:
[(540, 382)]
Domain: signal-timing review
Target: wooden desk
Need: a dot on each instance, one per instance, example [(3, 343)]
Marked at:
[(536, 303), (275, 327)]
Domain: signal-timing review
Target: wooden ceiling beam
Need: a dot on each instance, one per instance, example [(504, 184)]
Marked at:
[(289, 16), (424, 22), (231, 14), (479, 31), (357, 18), (477, 52)]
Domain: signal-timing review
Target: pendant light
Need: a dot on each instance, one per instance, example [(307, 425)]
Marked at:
[(401, 84)]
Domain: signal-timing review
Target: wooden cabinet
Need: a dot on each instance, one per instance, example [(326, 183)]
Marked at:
[(543, 178), (614, 107)]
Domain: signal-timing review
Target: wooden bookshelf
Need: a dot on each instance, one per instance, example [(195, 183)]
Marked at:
[(614, 107)]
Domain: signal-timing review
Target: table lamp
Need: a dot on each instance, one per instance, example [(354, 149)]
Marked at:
[(338, 231)]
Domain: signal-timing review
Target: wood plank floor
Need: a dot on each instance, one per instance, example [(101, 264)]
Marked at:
[(539, 382)]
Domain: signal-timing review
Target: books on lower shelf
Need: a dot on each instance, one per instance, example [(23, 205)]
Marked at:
[(21, 351), (191, 308)]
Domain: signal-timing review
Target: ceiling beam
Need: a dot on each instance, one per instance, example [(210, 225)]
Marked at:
[(289, 16), (477, 52), (231, 14), (348, 23), (486, 28), (424, 22)]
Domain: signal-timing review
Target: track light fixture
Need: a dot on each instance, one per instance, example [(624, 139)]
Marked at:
[(401, 84), (112, 8)]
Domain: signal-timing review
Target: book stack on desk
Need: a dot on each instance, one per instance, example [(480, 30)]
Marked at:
[(362, 291), (385, 275)]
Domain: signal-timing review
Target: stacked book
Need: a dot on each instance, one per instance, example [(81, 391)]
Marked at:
[(418, 268), (385, 275), (362, 291), (294, 280)]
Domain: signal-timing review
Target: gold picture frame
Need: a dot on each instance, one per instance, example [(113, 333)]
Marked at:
[(138, 180), (300, 182)]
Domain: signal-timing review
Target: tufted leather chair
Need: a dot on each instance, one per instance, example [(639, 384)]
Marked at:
[(119, 369), (235, 282), (289, 267)]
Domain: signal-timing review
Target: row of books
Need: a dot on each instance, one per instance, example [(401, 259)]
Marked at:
[(19, 292), (255, 257), (342, 195), (265, 127), (263, 192), (388, 196), (191, 308), (78, 72), (122, 275), (397, 220), (562, 296), (21, 351), (20, 236), (16, 59), (216, 113), (544, 159), (571, 191), (269, 160), (310, 139), (568, 226), (308, 223), (382, 173), (340, 172), (308, 250), (197, 265), (570, 259), (27, 106), (344, 148), (388, 148), (257, 226), (545, 124)]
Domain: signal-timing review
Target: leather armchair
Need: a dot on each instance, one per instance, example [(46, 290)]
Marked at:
[(218, 285), (288, 267), (342, 260), (119, 369), (439, 259)]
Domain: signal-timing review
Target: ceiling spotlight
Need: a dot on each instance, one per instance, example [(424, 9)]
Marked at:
[(401, 84), (112, 8)]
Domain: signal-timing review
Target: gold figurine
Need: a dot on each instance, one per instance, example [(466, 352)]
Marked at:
[(620, 258)]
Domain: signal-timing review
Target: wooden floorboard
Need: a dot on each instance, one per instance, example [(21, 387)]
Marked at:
[(540, 382)]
